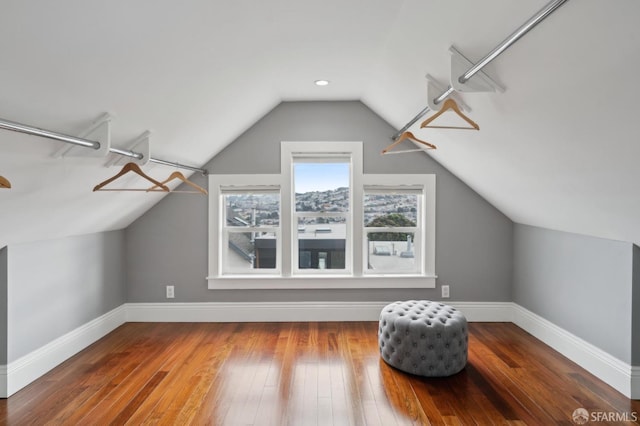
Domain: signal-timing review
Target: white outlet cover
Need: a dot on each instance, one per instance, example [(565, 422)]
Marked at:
[(445, 291)]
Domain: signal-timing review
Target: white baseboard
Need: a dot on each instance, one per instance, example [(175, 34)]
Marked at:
[(30, 367), (254, 312), (621, 376), (294, 311), (601, 364)]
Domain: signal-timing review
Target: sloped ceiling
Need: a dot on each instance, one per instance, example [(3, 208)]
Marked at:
[(556, 150)]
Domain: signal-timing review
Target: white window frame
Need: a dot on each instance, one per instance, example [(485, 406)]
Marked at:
[(309, 154), (220, 185), (424, 243), (288, 276)]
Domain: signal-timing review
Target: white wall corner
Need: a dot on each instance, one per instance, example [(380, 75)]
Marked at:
[(21, 372), (601, 364)]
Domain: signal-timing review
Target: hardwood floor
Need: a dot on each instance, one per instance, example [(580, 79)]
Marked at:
[(306, 373)]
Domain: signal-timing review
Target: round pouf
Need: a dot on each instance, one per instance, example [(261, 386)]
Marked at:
[(423, 338)]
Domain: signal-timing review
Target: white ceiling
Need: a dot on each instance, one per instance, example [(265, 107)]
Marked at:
[(556, 150)]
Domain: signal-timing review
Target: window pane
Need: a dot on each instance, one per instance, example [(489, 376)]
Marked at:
[(321, 187), (321, 242), (390, 209), (391, 252), (250, 250), (252, 209)]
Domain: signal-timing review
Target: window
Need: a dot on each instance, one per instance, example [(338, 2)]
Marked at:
[(246, 238), (399, 226), (321, 223), (250, 230), (322, 214), (393, 230)]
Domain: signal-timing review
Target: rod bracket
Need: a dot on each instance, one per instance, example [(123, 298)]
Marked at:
[(140, 145), (99, 131), (480, 82), (435, 89)]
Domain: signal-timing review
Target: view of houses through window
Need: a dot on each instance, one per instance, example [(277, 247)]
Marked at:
[(392, 249), (321, 216), (251, 229)]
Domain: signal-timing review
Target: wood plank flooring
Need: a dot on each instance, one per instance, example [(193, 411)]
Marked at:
[(306, 374)]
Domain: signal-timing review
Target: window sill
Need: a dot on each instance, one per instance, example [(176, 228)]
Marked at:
[(271, 282)]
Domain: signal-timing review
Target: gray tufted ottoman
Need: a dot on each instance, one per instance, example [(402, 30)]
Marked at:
[(424, 338)]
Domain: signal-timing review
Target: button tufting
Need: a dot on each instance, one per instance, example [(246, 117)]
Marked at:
[(401, 344)]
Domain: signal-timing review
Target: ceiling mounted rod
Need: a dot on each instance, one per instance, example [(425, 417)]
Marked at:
[(444, 95), (126, 153), (181, 166), (411, 123), (506, 43), (30, 130), (35, 131), (515, 36)]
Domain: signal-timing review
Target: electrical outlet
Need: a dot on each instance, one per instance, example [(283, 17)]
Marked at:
[(170, 292), (445, 291)]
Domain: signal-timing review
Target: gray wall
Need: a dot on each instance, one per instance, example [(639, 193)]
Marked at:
[(3, 305), (635, 324), (168, 244), (58, 285), (581, 284)]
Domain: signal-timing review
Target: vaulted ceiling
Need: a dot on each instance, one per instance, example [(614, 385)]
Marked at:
[(557, 149)]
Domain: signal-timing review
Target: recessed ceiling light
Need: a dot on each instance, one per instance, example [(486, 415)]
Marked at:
[(322, 82)]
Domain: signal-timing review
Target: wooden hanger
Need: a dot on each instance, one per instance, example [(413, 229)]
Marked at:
[(130, 167), (180, 176), (450, 104), (411, 137), (4, 182)]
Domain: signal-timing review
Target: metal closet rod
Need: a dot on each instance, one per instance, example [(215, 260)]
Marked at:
[(515, 36), (30, 130)]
